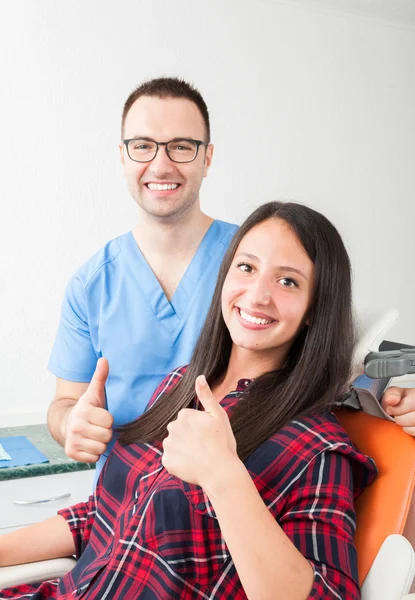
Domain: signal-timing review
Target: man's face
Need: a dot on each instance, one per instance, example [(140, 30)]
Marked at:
[(164, 119)]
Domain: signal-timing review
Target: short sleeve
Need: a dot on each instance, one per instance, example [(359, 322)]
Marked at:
[(320, 520), (167, 384), (73, 356), (80, 519)]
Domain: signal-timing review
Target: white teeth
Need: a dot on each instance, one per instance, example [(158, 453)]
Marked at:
[(158, 187), (251, 319)]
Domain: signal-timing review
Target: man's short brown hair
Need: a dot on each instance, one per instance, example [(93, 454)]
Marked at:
[(168, 87)]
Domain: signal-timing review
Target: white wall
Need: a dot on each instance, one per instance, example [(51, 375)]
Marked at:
[(305, 106)]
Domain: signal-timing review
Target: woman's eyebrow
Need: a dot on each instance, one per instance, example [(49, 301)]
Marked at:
[(292, 270), (247, 255)]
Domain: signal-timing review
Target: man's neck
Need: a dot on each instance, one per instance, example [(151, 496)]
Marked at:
[(169, 246), (179, 237)]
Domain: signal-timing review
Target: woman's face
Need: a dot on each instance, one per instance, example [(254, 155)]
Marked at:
[(268, 291)]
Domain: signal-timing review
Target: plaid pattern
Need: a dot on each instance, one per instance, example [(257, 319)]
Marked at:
[(145, 534)]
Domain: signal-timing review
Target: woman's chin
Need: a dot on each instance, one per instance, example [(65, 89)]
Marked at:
[(246, 345)]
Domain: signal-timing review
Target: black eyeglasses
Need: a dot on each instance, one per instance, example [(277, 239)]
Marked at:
[(181, 150)]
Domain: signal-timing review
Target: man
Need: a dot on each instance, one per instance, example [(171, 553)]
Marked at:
[(141, 301)]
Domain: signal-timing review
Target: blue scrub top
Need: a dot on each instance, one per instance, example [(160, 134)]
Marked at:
[(115, 307)]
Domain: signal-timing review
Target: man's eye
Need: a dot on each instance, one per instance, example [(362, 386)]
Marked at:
[(245, 267), (181, 148), (141, 147), (288, 282)]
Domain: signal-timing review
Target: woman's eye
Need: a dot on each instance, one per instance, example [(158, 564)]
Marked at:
[(288, 282), (245, 267)]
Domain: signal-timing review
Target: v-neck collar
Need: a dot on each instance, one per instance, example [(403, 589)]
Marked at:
[(169, 313)]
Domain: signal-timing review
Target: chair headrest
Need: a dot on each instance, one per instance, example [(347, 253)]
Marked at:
[(372, 324)]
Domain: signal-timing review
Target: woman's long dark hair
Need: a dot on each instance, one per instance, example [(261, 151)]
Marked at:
[(318, 366)]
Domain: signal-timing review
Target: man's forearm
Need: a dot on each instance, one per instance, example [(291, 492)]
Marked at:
[(58, 414)]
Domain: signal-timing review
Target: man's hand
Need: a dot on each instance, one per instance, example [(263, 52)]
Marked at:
[(399, 403), (89, 424)]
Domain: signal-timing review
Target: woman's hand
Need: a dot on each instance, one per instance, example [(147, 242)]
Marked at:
[(200, 445)]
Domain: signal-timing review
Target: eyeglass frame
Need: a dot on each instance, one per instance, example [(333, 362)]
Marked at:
[(182, 162)]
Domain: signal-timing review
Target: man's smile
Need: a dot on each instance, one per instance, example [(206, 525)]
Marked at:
[(162, 186)]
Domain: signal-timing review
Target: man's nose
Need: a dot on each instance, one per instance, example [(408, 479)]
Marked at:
[(161, 163)]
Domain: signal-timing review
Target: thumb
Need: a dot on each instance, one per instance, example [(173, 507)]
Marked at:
[(96, 388), (207, 399), (391, 397)]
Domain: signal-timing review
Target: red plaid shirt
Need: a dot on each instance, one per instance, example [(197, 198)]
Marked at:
[(146, 534)]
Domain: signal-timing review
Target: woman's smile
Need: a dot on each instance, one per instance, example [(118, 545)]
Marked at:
[(253, 320)]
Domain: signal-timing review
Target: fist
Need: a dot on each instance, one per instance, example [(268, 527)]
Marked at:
[(399, 403), (89, 425), (200, 441)]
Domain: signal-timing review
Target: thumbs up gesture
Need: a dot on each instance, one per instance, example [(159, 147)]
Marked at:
[(198, 441), (89, 425)]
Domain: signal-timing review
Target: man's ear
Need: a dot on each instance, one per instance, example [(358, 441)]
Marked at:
[(208, 158), (121, 149)]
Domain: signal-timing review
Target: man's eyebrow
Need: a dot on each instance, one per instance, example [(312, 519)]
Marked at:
[(142, 137), (149, 139), (279, 268)]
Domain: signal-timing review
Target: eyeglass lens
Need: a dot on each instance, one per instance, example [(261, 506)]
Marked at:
[(178, 150)]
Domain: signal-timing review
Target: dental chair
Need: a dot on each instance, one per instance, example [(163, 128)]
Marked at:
[(385, 532), (385, 511)]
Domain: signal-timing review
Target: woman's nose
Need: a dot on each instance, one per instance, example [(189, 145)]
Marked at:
[(259, 292)]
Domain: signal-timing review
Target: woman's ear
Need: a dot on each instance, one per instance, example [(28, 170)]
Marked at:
[(308, 316)]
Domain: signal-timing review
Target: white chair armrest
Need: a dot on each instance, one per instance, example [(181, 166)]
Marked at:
[(393, 570), (35, 572)]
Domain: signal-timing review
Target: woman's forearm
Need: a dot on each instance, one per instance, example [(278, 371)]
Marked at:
[(268, 564), (49, 539)]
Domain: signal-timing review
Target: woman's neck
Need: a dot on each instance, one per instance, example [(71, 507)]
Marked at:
[(244, 364)]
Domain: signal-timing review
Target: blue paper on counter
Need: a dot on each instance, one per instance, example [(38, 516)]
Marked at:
[(22, 452)]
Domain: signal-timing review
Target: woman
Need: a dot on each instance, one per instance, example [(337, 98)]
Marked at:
[(245, 490)]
